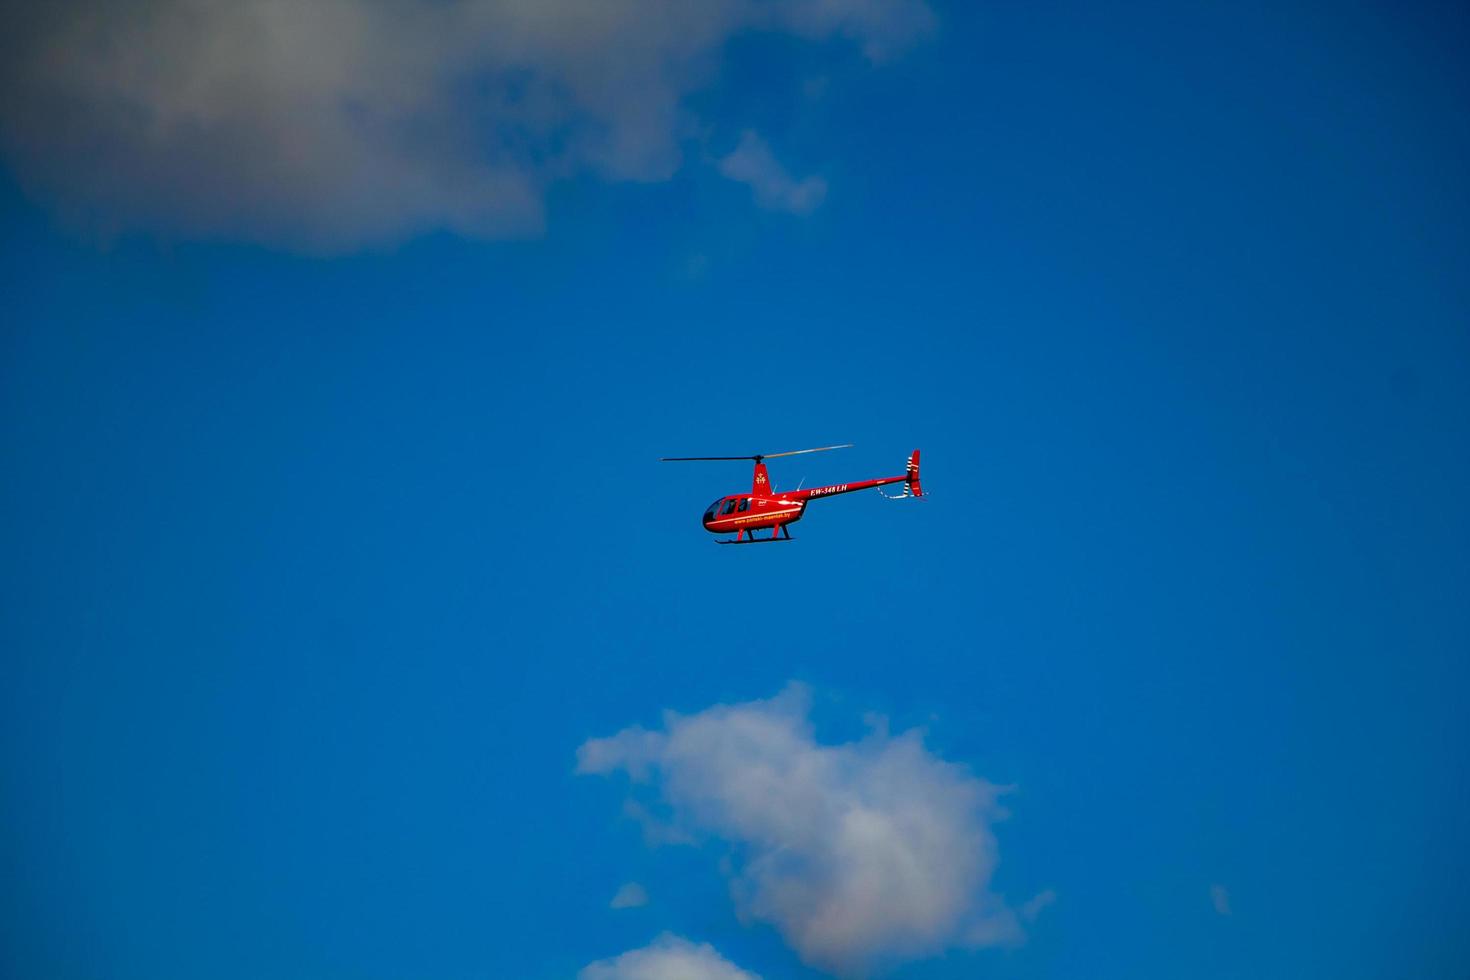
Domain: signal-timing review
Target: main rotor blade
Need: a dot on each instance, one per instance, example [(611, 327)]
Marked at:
[(691, 459), (819, 449), (758, 457)]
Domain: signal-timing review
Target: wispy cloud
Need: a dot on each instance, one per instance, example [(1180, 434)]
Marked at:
[(752, 163), (860, 853), (335, 124), (631, 896), (1220, 898), (667, 958), (1033, 906)]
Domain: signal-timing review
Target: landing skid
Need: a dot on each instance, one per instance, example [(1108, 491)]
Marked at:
[(753, 540)]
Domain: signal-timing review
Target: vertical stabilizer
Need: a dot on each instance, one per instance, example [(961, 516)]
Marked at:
[(913, 475)]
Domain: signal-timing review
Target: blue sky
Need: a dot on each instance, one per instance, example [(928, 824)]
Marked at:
[(335, 528)]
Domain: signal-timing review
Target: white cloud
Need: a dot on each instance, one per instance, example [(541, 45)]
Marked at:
[(340, 123), (1220, 898), (860, 853), (667, 958), (752, 163), (631, 896)]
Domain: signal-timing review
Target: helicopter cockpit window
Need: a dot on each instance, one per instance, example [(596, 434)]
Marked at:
[(729, 507), (713, 509), (744, 504)]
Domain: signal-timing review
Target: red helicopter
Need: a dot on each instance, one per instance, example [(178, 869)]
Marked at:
[(765, 507)]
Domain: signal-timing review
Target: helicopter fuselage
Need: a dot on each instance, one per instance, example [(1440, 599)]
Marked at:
[(753, 511), (746, 512)]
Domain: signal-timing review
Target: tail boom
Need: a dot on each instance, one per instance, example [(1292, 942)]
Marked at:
[(910, 479)]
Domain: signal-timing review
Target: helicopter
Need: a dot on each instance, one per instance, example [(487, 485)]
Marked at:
[(764, 507)]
